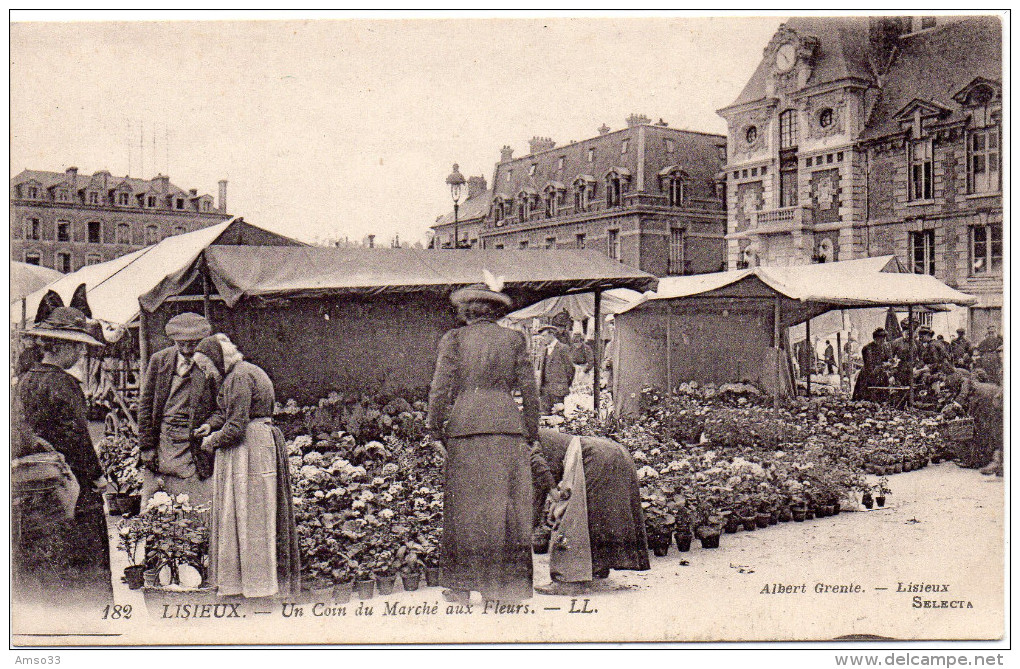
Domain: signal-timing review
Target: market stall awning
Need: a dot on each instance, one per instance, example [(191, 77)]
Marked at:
[(580, 307), (26, 278), (809, 290), (530, 275), (113, 287)]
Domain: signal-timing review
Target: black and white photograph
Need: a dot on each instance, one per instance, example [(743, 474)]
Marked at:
[(510, 328)]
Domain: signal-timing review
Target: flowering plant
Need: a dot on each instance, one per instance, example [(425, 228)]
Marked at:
[(118, 455), (173, 531)]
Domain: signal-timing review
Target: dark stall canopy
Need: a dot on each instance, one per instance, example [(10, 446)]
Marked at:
[(308, 272)]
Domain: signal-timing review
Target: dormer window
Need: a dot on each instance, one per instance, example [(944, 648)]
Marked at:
[(33, 192), (497, 211), (675, 191), (93, 197), (584, 191), (614, 190), (920, 169), (151, 201), (206, 206), (123, 199), (180, 203), (559, 162), (553, 198), (591, 155), (62, 195)]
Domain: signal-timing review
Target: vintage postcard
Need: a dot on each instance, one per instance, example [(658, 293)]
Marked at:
[(396, 329)]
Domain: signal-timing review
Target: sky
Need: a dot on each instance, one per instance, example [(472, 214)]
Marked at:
[(333, 128)]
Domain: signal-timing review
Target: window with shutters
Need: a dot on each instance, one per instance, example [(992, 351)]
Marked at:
[(922, 252), (983, 161)]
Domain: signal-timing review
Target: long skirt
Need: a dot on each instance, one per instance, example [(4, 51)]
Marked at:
[(242, 544), (487, 516), (61, 562), (616, 523)]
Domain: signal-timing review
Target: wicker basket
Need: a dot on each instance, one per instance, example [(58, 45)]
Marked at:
[(960, 429)]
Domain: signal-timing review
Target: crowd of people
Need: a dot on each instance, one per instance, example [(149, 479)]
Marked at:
[(968, 376), (511, 489), (205, 430)]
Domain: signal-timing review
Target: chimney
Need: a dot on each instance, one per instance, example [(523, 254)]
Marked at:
[(538, 144), (163, 181), (603, 130), (371, 241), (506, 154), (637, 119), (476, 186), (223, 196), (193, 192), (883, 36), (662, 124), (72, 178)]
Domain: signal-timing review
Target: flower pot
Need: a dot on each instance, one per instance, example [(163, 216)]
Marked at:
[(763, 519), (342, 592), (732, 525), (113, 503), (321, 591), (868, 501), (897, 468), (774, 518), (135, 576), (750, 524), (710, 540), (432, 576), (810, 514), (683, 541), (880, 500), (131, 505), (151, 578), (799, 514), (385, 583), (828, 510), (659, 546), (365, 588), (785, 515), (836, 508), (411, 581)]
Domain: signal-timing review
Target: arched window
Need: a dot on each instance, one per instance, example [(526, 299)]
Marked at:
[(614, 190), (788, 129), (151, 234)]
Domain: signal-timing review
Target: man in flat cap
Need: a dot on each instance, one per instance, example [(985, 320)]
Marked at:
[(177, 396), (556, 367)]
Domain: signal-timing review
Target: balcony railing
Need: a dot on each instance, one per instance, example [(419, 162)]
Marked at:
[(784, 219)]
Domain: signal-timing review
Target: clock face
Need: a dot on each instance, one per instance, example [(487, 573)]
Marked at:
[(786, 56)]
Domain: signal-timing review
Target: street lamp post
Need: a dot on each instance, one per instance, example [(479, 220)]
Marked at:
[(456, 182)]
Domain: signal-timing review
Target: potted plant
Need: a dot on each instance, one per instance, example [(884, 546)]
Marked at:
[(867, 500), (410, 571), (130, 541), (364, 582), (883, 490), (118, 455), (343, 581)]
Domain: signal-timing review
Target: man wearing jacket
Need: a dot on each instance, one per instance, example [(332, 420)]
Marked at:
[(556, 370), (177, 396)]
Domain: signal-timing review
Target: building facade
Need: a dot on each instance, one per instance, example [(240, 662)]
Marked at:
[(68, 220), (859, 137), (470, 215), (646, 195)]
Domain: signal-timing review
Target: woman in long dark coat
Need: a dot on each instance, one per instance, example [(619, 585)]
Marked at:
[(615, 521), (874, 373), (486, 545), (57, 561)]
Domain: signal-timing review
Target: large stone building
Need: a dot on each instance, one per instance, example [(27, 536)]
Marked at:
[(646, 195), (66, 220), (470, 216), (859, 137)]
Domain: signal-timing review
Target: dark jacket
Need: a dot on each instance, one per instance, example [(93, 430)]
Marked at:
[(159, 375), (478, 368), (556, 371)]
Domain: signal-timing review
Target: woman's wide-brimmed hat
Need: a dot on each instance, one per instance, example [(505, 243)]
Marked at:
[(480, 292), (65, 323)]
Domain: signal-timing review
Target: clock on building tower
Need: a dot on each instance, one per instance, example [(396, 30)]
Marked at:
[(786, 57)]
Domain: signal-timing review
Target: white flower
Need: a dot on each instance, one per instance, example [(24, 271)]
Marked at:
[(386, 514), (182, 498), (357, 504), (160, 498), (378, 481), (319, 494)]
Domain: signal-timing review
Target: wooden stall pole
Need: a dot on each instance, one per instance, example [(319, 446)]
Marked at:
[(810, 354), (839, 357), (669, 347), (776, 313), (143, 341), (205, 289), (910, 353), (24, 312), (596, 378)]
